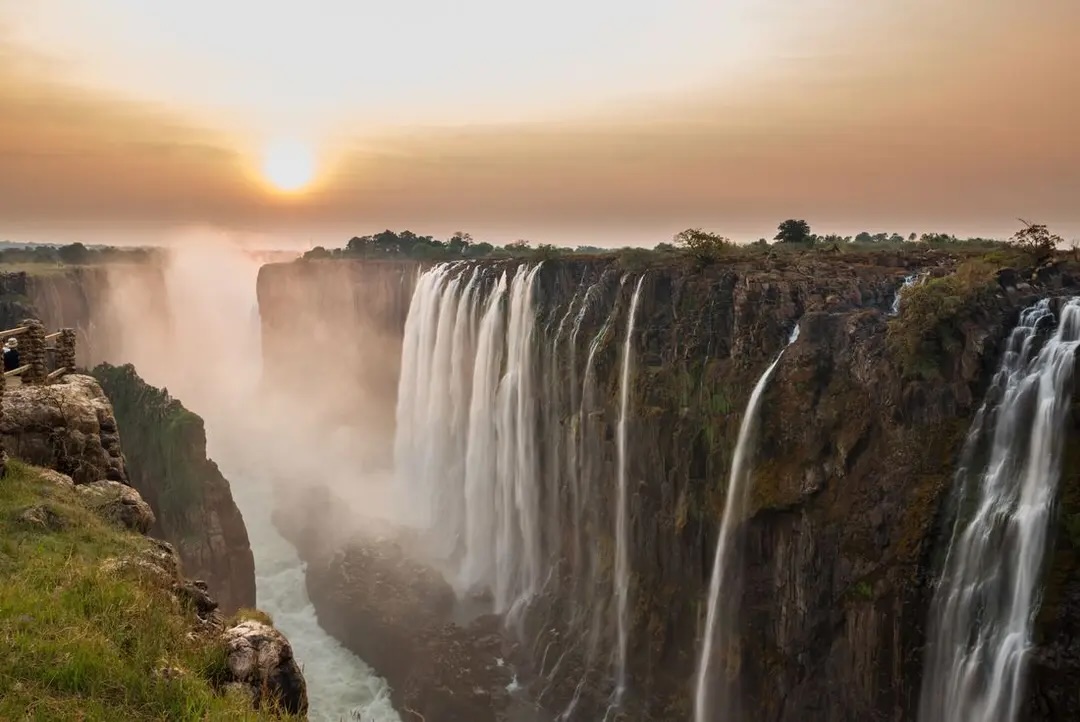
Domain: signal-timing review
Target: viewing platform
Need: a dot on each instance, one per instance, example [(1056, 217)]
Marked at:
[(43, 357)]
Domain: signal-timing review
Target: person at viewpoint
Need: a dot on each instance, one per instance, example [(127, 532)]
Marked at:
[(11, 354)]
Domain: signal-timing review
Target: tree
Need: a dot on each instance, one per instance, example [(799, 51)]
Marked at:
[(1034, 238), (702, 245), (517, 246), (459, 242), (937, 238), (74, 253), (864, 237), (912, 237), (793, 231), (316, 253)]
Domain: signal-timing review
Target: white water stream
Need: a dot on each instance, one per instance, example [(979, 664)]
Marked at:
[(717, 631), (983, 611), (622, 541)]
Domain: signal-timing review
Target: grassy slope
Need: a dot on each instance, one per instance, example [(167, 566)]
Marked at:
[(81, 643)]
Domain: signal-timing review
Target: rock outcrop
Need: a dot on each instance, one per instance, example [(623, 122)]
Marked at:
[(860, 430), (165, 449), (119, 503), (259, 656), (67, 426)]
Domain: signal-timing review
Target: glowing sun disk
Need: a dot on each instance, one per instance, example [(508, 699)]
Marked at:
[(288, 165)]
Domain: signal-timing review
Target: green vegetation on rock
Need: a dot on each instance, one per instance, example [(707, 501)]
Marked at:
[(160, 436), (85, 638), (928, 331)]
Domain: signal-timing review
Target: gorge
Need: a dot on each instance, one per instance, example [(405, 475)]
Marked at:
[(571, 515)]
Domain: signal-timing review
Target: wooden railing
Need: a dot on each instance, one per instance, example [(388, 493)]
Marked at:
[(43, 358)]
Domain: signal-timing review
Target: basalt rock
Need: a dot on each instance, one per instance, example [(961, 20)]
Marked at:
[(860, 429), (261, 658), (119, 503), (165, 448), (67, 426)]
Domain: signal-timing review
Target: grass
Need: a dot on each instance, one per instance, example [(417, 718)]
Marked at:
[(80, 642), (247, 614)]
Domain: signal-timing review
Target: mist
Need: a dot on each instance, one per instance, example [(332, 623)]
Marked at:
[(276, 437)]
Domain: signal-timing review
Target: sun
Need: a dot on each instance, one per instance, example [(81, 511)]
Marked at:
[(288, 165)]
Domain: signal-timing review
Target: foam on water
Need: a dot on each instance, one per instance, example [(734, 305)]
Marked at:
[(340, 685)]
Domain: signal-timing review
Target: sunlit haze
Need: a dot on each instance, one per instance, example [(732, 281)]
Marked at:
[(606, 122)]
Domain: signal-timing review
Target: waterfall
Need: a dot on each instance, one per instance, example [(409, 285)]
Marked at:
[(982, 611), (466, 458), (913, 280), (738, 486), (622, 542), (506, 462)]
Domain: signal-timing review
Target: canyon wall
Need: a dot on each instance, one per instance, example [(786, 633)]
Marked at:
[(165, 449), (849, 506)]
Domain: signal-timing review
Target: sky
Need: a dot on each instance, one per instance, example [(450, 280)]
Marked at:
[(606, 122)]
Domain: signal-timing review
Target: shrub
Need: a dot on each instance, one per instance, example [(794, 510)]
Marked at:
[(704, 246), (928, 331)]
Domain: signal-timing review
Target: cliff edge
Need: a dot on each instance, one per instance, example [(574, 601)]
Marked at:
[(98, 622), (165, 451)]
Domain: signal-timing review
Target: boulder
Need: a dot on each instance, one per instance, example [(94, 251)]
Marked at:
[(119, 504), (261, 658), (68, 426), (61, 480), (42, 516)]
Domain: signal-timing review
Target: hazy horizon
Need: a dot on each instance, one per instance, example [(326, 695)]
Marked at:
[(599, 124)]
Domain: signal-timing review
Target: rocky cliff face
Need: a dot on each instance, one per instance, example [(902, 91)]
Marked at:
[(67, 426), (165, 448), (860, 430)]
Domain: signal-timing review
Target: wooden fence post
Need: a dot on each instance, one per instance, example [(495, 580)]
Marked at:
[(32, 352)]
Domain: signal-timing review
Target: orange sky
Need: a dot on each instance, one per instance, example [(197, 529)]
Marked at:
[(926, 116)]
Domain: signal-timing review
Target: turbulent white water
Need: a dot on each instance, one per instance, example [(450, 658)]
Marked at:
[(982, 613), (622, 542), (716, 630), (340, 686)]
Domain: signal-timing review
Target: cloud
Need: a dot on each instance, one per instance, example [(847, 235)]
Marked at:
[(960, 123)]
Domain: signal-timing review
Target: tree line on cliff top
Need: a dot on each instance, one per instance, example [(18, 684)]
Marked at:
[(698, 243), (71, 254)]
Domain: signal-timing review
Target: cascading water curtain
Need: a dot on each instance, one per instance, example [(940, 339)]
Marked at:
[(982, 612), (465, 450)]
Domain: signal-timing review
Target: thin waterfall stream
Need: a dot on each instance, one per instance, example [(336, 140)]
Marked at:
[(717, 626), (622, 542)]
